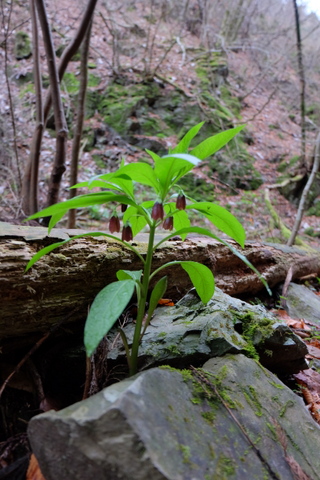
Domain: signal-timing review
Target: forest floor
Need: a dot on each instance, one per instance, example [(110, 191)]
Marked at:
[(275, 133)]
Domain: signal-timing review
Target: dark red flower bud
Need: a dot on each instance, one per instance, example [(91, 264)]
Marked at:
[(157, 211), (168, 223), (114, 224), (181, 202), (127, 233), (124, 207)]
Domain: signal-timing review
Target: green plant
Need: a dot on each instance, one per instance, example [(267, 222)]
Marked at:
[(169, 210)]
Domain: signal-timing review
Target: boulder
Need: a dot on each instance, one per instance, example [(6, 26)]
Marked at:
[(301, 302), (230, 420), (191, 332)]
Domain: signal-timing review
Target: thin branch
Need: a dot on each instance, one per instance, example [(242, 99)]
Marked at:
[(305, 193), (36, 144), (6, 62), (79, 122), (59, 117)]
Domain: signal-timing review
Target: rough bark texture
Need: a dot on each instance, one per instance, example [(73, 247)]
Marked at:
[(68, 279)]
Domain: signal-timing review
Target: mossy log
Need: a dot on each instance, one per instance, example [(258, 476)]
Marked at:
[(63, 283)]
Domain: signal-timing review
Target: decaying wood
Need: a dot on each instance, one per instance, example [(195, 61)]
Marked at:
[(68, 278)]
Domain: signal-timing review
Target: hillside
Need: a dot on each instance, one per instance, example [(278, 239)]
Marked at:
[(155, 70)]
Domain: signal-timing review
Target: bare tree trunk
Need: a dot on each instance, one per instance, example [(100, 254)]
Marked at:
[(59, 117), (302, 84), (36, 144), (305, 192), (37, 135), (79, 123)]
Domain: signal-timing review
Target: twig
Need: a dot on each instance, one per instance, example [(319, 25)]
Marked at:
[(286, 286), (305, 193)]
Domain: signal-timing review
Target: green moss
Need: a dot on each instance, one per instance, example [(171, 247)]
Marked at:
[(255, 330), (22, 45), (209, 416), (252, 398), (225, 468), (272, 430), (276, 385), (186, 453), (283, 410)]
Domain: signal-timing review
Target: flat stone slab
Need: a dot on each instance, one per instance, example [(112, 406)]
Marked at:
[(303, 303), (165, 424)]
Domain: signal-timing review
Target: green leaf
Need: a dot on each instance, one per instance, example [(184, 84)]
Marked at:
[(157, 293), (43, 252), (82, 201), (184, 143), (222, 219), (54, 220), (104, 312), (212, 144), (171, 168), (142, 173), (137, 220), (181, 220), (202, 279), (153, 155), (129, 275)]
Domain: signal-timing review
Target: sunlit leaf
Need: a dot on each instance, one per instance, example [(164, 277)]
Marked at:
[(82, 201), (142, 173), (170, 169), (54, 220), (212, 144), (184, 143), (104, 312), (222, 219)]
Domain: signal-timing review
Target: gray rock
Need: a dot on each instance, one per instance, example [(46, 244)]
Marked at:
[(303, 303), (167, 424), (191, 333)]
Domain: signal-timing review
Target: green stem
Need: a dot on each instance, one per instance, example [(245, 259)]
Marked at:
[(142, 303)]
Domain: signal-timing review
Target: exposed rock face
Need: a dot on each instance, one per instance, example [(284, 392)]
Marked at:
[(303, 303), (164, 424), (191, 333)]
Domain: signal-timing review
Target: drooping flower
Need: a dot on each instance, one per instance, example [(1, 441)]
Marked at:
[(127, 235), (124, 207), (157, 211), (168, 223), (114, 224), (181, 202)]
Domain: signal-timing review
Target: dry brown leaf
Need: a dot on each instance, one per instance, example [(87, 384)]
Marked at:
[(314, 352), (34, 472), (291, 322)]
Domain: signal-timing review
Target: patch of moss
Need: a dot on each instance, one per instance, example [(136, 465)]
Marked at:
[(225, 468), (22, 45)]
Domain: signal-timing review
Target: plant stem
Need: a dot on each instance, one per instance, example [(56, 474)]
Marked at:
[(142, 303)]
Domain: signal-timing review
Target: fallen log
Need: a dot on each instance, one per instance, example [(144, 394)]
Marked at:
[(64, 283)]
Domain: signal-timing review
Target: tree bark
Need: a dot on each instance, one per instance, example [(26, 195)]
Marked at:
[(68, 279)]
